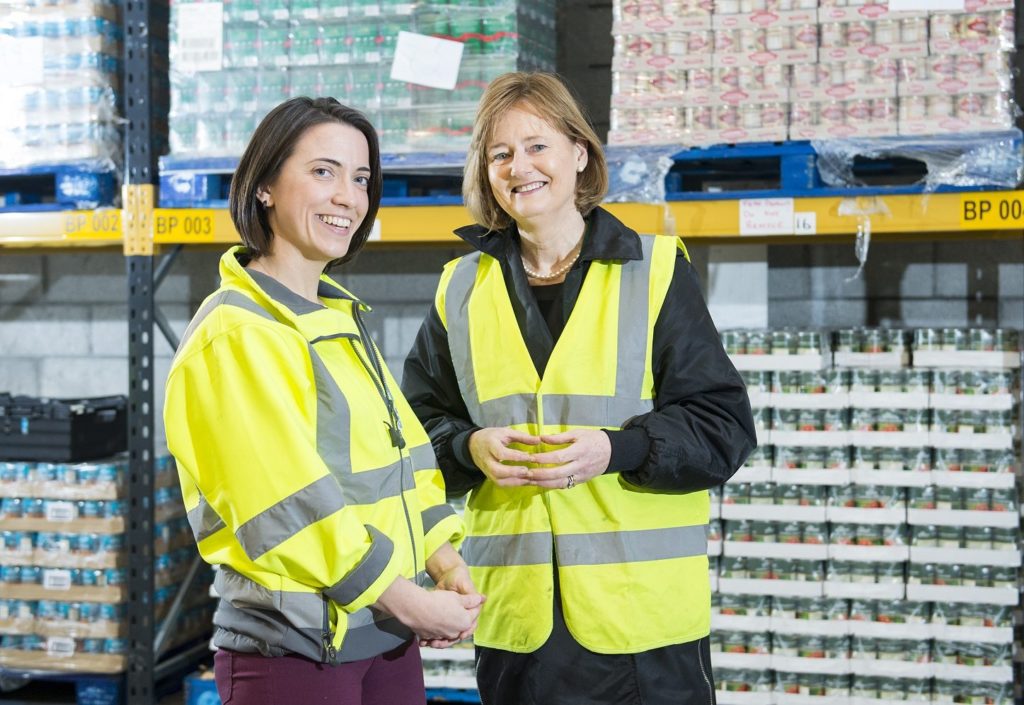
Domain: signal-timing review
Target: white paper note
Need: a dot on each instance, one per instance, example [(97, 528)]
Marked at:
[(25, 53), (766, 216), (426, 61), (200, 37)]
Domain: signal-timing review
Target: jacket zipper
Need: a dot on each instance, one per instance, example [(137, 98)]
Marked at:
[(395, 427), (703, 672), (326, 636)]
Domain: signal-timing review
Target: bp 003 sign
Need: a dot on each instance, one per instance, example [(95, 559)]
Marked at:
[(992, 211)]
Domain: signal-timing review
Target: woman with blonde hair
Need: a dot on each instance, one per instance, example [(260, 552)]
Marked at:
[(572, 381)]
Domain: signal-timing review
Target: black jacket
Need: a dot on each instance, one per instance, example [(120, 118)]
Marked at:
[(701, 429)]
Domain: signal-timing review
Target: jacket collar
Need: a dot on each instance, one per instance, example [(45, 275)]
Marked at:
[(274, 295), (606, 237)]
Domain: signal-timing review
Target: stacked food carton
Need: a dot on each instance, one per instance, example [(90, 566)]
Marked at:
[(964, 84)]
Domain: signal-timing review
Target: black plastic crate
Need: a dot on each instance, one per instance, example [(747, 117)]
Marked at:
[(62, 430)]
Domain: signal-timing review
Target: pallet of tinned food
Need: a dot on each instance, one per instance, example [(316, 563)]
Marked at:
[(693, 22)]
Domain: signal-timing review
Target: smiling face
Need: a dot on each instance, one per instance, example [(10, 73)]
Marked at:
[(532, 167), (319, 197)]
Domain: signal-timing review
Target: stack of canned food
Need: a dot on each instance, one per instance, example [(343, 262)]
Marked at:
[(773, 493), (738, 567), (974, 382), (783, 341), (871, 340), (61, 578), (983, 538), (996, 499), (867, 534), (830, 381), (892, 459), (960, 421), (810, 420), (890, 420), (865, 572), (39, 508), (903, 380), (956, 575), (66, 480), (967, 339), (66, 647), (868, 497), (800, 458), (775, 532)]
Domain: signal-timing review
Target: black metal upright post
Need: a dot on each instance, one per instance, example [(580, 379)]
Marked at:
[(141, 18)]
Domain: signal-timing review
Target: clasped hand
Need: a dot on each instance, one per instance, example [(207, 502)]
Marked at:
[(585, 456)]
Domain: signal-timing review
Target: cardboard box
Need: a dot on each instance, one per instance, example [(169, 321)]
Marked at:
[(764, 58), (929, 126), (724, 95), (663, 25), (845, 91), (968, 45), (873, 51), (951, 86), (862, 13), (763, 19), (661, 63)]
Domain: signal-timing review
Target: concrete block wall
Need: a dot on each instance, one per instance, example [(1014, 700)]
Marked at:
[(63, 329), (910, 284)]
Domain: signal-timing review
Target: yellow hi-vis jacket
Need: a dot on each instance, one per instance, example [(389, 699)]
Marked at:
[(632, 563), (304, 480)]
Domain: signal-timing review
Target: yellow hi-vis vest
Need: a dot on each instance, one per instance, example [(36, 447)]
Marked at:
[(632, 564)]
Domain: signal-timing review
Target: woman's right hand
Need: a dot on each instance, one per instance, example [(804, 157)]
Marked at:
[(489, 449), (432, 614)]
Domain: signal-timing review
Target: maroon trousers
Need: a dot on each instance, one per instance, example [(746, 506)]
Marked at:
[(394, 678)]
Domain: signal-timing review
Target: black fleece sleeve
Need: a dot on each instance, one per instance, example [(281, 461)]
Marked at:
[(430, 385), (701, 430)]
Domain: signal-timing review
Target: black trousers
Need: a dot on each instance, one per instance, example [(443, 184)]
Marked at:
[(561, 672)]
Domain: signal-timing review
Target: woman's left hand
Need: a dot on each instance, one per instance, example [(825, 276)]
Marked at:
[(449, 572), (586, 457)]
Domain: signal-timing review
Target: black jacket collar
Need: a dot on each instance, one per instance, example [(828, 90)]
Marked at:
[(606, 238)]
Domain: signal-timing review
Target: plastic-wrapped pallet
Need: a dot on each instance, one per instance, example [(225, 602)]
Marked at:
[(232, 62), (60, 88), (64, 564)]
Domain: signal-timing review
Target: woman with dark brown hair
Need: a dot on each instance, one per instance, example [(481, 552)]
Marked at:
[(307, 478), (572, 381)]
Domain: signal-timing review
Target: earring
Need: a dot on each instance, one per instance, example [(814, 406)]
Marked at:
[(580, 168)]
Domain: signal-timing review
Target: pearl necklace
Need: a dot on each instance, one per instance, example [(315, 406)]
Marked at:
[(555, 273)]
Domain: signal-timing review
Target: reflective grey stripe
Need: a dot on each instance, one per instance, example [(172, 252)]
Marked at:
[(456, 308), (587, 549), (333, 422), (435, 515), (498, 412), (592, 410), (508, 549), (562, 409), (205, 522), (288, 517), (251, 618), (359, 580), (371, 486), (634, 312), (631, 546), (224, 298), (423, 457)]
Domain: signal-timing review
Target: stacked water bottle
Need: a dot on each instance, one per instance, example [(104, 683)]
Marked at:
[(63, 563), (230, 67), (871, 545)]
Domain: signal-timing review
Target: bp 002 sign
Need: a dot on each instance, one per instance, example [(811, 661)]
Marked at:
[(992, 211)]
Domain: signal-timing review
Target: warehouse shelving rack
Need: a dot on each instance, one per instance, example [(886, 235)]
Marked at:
[(141, 230)]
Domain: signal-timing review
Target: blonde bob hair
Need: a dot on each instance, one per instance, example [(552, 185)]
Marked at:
[(549, 99)]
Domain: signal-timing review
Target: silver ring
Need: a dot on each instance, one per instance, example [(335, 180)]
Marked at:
[(570, 482)]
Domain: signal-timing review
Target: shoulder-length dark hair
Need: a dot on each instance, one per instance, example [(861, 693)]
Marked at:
[(271, 144)]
